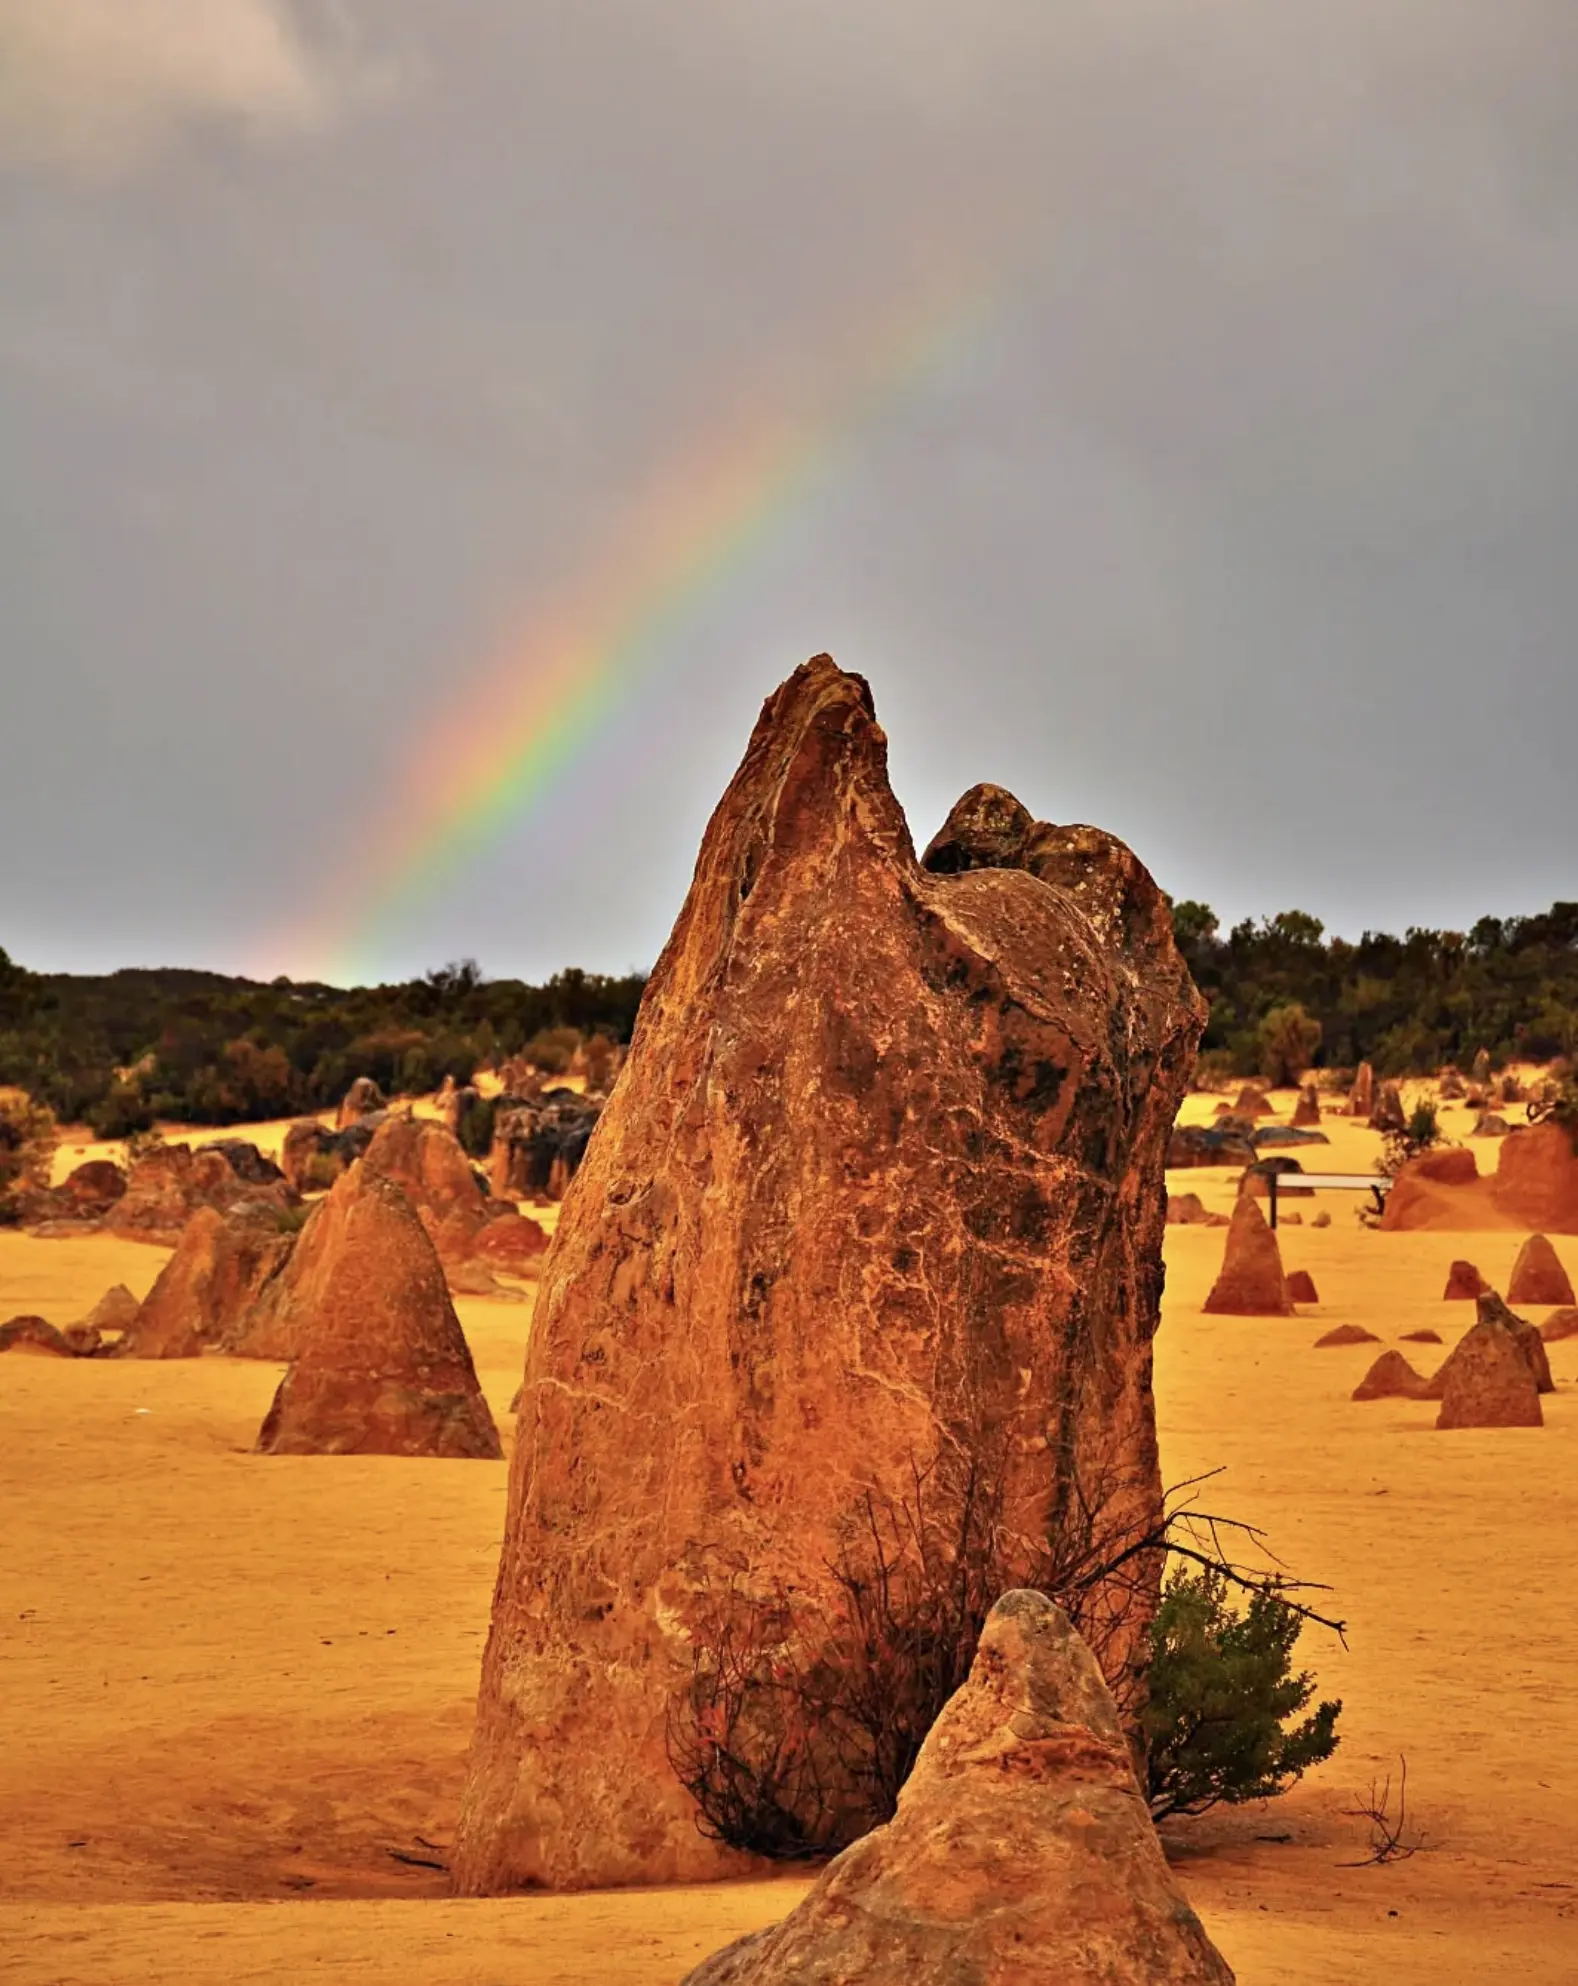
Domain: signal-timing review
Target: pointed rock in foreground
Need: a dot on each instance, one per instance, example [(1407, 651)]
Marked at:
[(1022, 1852), (382, 1367)]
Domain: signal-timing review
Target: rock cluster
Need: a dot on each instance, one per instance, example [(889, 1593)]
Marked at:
[(313, 1156), (879, 1191), (1022, 1852), (220, 1266), (539, 1143), (167, 1186)]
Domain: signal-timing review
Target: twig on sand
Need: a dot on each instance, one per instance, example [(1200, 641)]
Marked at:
[(1388, 1832)]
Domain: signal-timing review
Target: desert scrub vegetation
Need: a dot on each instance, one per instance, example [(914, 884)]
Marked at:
[(802, 1720)]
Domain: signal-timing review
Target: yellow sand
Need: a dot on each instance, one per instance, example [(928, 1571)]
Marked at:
[(236, 1688)]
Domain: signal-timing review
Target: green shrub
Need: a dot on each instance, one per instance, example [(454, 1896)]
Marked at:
[(27, 1140), (552, 1049), (474, 1126), (1288, 1037), (121, 1112), (1223, 1693)]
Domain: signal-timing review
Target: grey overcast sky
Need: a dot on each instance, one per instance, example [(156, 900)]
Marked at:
[(333, 335)]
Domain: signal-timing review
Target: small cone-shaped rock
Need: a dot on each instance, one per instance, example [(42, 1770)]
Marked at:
[(382, 1367), (1464, 1284), (1301, 1287), (1346, 1334), (205, 1288), (1392, 1378), (360, 1100), (1495, 1374), (114, 1311), (1560, 1324), (1425, 1337), (1307, 1110), (1538, 1275), (1022, 1852), (1389, 1113), (1320, 1219), (1251, 1103), (1361, 1098), (1251, 1283)]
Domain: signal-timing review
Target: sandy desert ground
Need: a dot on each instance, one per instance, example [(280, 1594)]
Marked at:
[(237, 1689)]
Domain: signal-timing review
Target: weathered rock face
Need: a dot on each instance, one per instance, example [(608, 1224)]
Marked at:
[(207, 1286), (1195, 1144), (539, 1143), (1425, 1192), (512, 1242), (1538, 1275), (381, 1366), (116, 1310), (1306, 1112), (1392, 1378), (1361, 1098), (880, 1184), (1464, 1283), (1488, 1380), (1251, 1283), (1536, 1179), (360, 1100), (1021, 1854), (167, 1187), (1189, 1210), (93, 1188), (1560, 1324), (424, 1160)]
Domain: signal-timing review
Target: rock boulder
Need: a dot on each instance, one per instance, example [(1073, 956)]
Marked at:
[(879, 1190), (1251, 1283), (1392, 1378), (1022, 1852), (1538, 1275), (380, 1365)]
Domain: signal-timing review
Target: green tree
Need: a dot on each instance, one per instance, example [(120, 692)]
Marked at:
[(1223, 1692), (1288, 1038)]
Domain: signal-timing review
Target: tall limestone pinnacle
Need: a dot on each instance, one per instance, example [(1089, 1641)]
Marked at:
[(879, 1193)]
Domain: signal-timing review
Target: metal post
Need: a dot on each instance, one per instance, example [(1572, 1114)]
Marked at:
[(1271, 1182)]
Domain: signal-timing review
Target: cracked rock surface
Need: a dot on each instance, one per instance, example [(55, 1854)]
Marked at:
[(880, 1187)]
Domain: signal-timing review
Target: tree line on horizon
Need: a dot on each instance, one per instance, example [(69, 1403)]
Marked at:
[(1284, 996), (120, 1050)]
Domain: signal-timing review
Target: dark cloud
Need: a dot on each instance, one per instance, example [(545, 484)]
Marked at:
[(1242, 526)]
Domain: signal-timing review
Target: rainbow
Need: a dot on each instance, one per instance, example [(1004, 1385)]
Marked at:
[(554, 685)]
